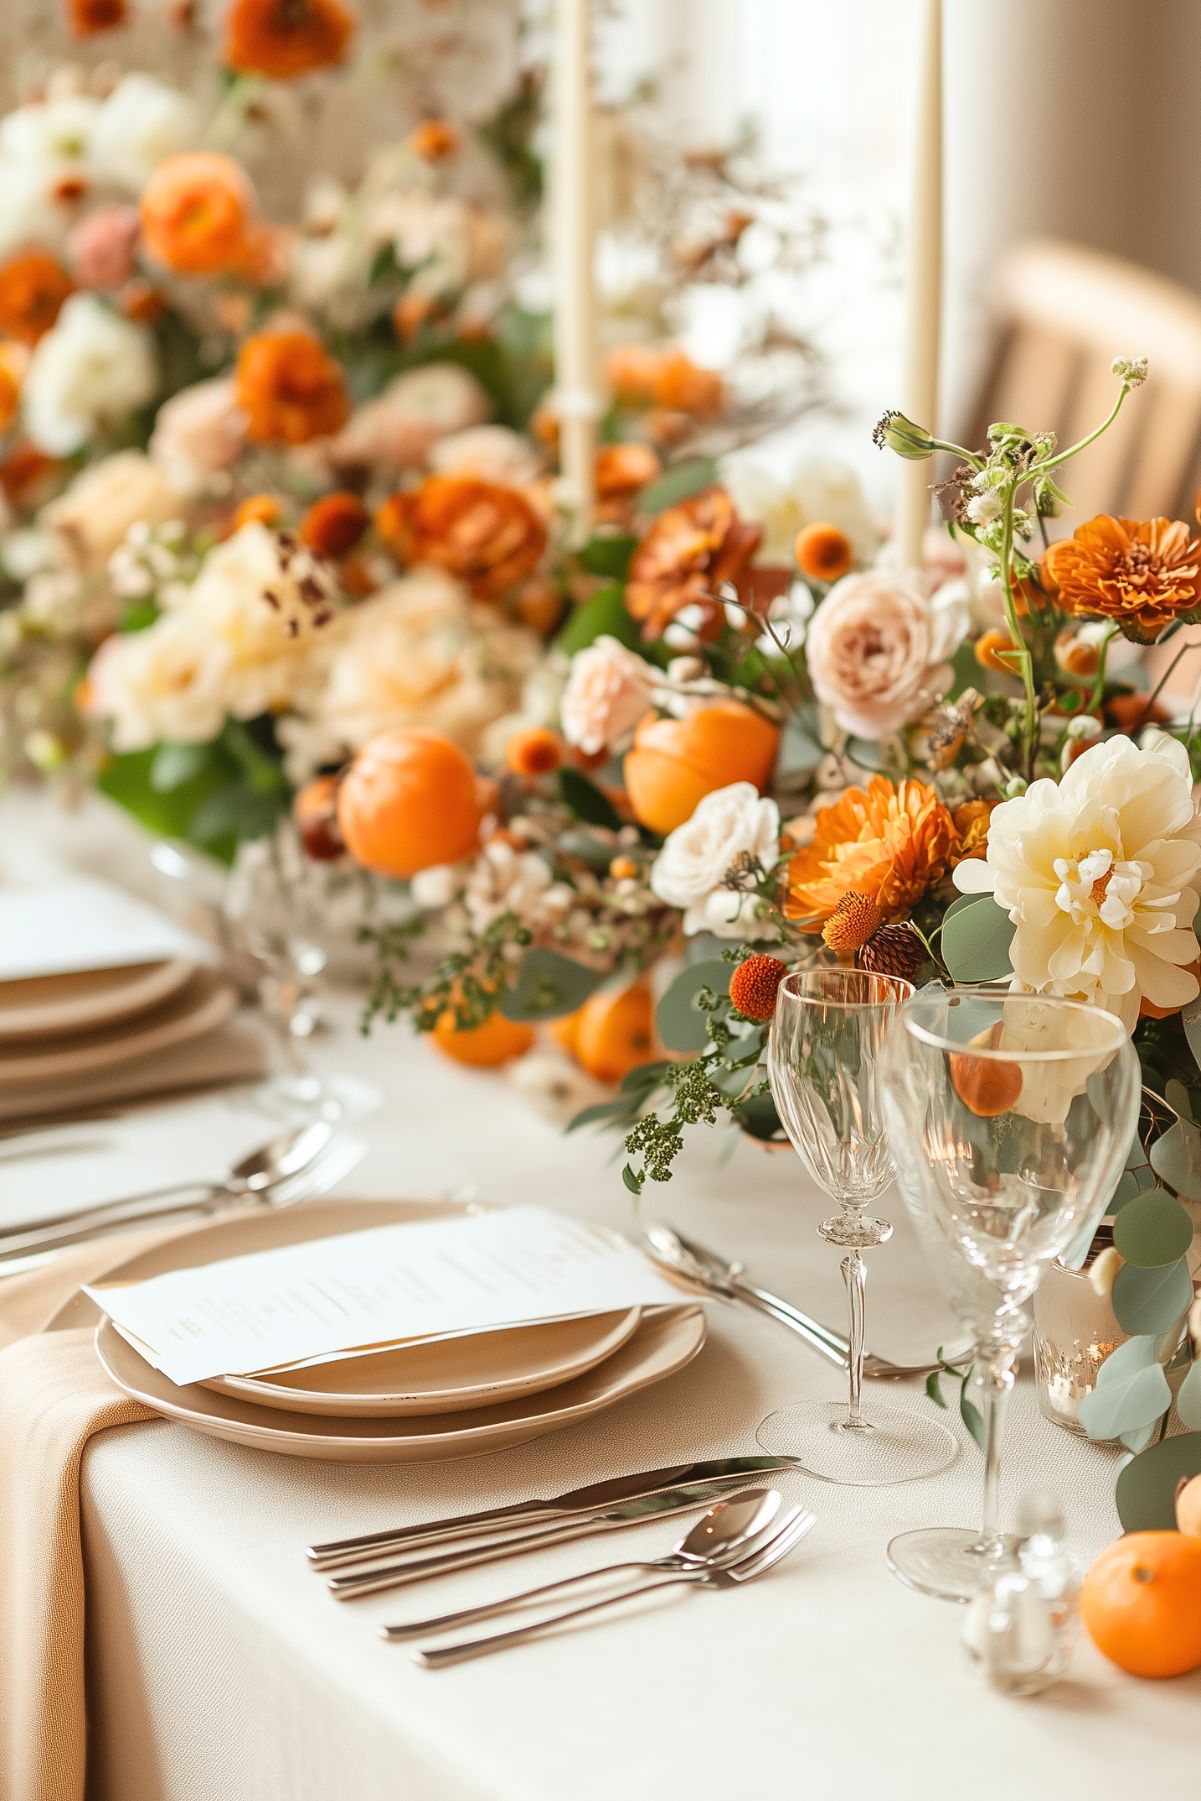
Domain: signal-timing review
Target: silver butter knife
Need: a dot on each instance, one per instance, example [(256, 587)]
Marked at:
[(593, 1498), (633, 1513)]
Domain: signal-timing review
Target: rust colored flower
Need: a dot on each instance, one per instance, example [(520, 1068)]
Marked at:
[(334, 524), (823, 552), (87, 18), (888, 844), (286, 38), (1143, 574), (196, 212), (33, 287), (290, 389), (755, 986), (971, 828), (623, 470), (534, 751), (660, 375), (689, 551), (25, 475), (13, 358), (433, 140), (487, 535)]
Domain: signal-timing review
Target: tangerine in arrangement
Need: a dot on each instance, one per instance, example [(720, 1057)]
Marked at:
[(674, 763), (498, 1040), (409, 800), (615, 1032), (1141, 1603)]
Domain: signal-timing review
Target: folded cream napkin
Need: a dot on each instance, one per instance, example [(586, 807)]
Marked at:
[(53, 1397), (234, 1052)]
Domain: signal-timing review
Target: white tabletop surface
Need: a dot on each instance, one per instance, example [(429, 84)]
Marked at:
[(220, 1670)]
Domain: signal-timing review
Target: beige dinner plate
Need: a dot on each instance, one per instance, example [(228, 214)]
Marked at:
[(665, 1340), (202, 1004), (47, 1006)]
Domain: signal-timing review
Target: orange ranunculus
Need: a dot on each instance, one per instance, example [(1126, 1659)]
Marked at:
[(1141, 573), (884, 842), (286, 38), (88, 17), (33, 287), (196, 211), (290, 389), (334, 524), (663, 376), (487, 535), (689, 551)]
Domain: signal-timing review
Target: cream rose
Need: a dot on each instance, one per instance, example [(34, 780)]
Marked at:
[(729, 826), (608, 690), (199, 433), (167, 683), (102, 503), (877, 649), (398, 428), (1101, 874), (92, 369)]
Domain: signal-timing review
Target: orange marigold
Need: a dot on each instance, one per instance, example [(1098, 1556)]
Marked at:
[(823, 552), (86, 18), (1141, 573), (755, 986), (487, 535), (334, 524), (286, 38), (33, 287), (888, 844), (290, 389), (196, 212), (689, 551)]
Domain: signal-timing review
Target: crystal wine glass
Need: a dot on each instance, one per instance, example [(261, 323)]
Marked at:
[(827, 1033), (1009, 1116)]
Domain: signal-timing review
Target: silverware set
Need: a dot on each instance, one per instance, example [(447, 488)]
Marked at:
[(740, 1536)]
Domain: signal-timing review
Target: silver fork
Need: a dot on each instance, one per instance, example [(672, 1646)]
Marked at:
[(791, 1529)]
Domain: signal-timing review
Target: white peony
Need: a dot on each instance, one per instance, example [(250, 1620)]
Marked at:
[(92, 369), (817, 491), (105, 499), (28, 215), (139, 125), (54, 137), (608, 690), (165, 684), (1101, 875), (728, 826)]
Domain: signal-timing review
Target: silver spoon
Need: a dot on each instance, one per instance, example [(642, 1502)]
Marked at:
[(253, 1177), (754, 1560), (722, 1533), (713, 1273)]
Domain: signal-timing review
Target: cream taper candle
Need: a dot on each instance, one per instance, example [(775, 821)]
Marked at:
[(573, 244), (923, 294)]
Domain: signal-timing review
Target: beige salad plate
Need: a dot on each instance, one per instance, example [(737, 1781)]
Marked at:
[(50, 1006), (201, 1005)]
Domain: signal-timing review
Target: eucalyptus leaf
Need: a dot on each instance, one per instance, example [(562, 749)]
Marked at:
[(1140, 1438), (1188, 1398), (1153, 1229), (1146, 1490), (601, 1113), (680, 482), (976, 942), (609, 555), (1151, 1300), (547, 985), (800, 752), (1176, 1159), (758, 1117), (1132, 1391), (604, 615), (679, 1022)]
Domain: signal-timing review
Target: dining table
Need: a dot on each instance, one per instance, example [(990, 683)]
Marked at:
[(219, 1668)]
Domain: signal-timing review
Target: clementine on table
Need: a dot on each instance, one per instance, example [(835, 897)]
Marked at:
[(675, 762), (615, 1032), (409, 800), (1141, 1603), (498, 1040)]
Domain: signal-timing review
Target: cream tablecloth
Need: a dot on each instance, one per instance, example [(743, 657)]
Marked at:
[(219, 1669)]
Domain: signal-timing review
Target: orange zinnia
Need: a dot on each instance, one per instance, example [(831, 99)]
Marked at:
[(286, 38), (87, 17), (290, 389), (885, 843), (1141, 573), (33, 287), (487, 535), (689, 551), (196, 213)]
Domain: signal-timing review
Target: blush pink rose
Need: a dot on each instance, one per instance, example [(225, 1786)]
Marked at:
[(877, 649), (608, 690), (199, 432), (101, 246)]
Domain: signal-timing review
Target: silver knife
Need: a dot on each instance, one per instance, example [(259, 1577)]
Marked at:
[(594, 1497), (400, 1575)]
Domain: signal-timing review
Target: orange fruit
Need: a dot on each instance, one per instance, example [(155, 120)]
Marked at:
[(1141, 1603), (409, 800), (486, 1046), (615, 1032), (986, 1086), (675, 762), (566, 1031), (1188, 1508)]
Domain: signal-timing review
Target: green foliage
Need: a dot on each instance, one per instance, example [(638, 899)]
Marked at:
[(213, 796), (682, 1018), (976, 941), (609, 555), (1152, 1230), (1131, 1392), (1176, 1159), (684, 479), (1152, 1300), (604, 615), (1146, 1491), (589, 804), (547, 985), (466, 984)]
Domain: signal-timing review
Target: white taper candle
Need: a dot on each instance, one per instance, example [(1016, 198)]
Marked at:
[(923, 295)]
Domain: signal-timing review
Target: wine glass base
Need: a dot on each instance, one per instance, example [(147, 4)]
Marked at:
[(894, 1444), (305, 1097), (947, 1561)]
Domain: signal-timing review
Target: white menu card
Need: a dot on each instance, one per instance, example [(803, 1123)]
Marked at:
[(360, 1290), (82, 923)]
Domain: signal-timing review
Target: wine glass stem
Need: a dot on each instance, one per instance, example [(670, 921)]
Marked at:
[(854, 1274), (994, 1379)]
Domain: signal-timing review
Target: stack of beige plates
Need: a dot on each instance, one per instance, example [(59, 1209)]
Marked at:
[(455, 1397)]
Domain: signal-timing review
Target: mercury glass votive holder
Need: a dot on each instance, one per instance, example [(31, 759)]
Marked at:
[(1075, 1330)]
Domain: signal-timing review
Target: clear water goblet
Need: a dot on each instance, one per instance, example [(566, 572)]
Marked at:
[(829, 1028), (1009, 1116)]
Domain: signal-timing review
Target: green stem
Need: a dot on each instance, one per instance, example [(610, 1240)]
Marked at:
[(1083, 444), (1015, 631), (1094, 698)]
